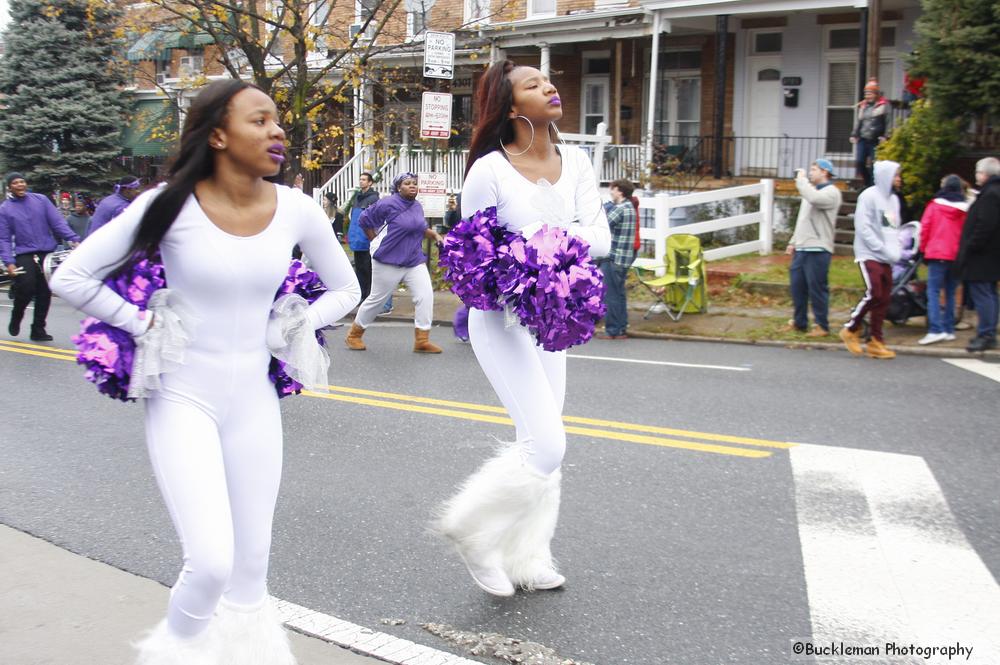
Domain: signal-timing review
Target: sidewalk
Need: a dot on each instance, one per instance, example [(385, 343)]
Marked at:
[(60, 608), (746, 325)]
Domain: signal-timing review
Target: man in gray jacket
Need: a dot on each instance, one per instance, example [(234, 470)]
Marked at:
[(876, 248), (811, 247)]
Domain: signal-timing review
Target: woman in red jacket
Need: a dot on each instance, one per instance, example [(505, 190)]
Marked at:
[(940, 232)]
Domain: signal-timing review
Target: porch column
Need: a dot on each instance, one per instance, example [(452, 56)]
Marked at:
[(496, 53), (543, 64), (616, 97), (874, 37), (862, 50), (654, 61), (721, 37)]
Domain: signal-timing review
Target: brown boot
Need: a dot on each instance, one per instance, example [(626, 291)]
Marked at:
[(876, 349), (818, 331), (353, 340), (852, 341), (422, 342)]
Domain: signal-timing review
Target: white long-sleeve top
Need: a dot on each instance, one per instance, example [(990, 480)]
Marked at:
[(228, 281), (572, 202)]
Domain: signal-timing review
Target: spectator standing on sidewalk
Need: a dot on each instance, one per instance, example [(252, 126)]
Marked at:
[(78, 219), (113, 205), (29, 227), (811, 247), (876, 248), (869, 129), (622, 222), (363, 197), (978, 260), (940, 233)]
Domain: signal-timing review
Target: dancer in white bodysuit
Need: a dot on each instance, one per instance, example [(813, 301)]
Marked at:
[(214, 428), (504, 516)]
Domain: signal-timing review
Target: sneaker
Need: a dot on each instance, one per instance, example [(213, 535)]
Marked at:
[(386, 311), (933, 338), (852, 341), (818, 331), (658, 308), (949, 337)]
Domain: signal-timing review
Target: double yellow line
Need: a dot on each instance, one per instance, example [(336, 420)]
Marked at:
[(652, 435)]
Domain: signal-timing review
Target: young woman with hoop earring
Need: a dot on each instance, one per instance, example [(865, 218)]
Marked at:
[(503, 518)]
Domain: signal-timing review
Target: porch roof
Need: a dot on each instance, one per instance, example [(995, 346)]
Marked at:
[(677, 9), (584, 26)]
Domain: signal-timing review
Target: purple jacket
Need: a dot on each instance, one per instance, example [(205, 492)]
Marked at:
[(109, 208), (30, 224), (404, 233)]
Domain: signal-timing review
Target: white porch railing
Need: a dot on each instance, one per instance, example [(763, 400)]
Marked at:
[(452, 163), (663, 203), (621, 161)]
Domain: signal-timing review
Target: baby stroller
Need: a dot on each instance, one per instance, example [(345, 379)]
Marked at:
[(909, 295)]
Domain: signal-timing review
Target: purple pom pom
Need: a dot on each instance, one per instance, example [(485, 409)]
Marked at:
[(554, 287), (468, 255), (549, 280), (107, 352), (306, 283)]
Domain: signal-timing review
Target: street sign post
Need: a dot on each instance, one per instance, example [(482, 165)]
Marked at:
[(439, 55), (435, 115), (432, 192)]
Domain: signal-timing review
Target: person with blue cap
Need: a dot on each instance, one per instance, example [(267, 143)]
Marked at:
[(811, 247), (126, 189)]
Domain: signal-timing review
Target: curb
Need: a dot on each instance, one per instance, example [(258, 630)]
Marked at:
[(802, 346)]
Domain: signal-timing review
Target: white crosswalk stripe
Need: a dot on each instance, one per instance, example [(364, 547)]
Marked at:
[(885, 560), (989, 370)]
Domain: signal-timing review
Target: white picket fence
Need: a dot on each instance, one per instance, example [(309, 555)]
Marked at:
[(663, 203)]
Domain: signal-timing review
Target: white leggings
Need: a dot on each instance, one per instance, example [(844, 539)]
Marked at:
[(530, 382), (219, 475), (385, 277)]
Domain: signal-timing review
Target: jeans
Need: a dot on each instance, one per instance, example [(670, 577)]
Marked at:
[(939, 278), (984, 297), (808, 277), (865, 160), (616, 319)]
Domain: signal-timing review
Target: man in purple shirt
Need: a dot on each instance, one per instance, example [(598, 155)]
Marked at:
[(111, 206), (29, 227)]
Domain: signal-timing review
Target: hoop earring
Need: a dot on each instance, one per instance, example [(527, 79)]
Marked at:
[(518, 154)]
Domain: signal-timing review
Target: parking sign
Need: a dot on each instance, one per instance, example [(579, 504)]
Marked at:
[(439, 55)]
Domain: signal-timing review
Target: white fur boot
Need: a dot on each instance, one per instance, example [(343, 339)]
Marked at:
[(252, 635), (161, 647), (501, 521)]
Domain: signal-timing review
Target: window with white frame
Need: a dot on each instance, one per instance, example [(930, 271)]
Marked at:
[(595, 88), (319, 12), (539, 8), (477, 11), (363, 9), (678, 97), (416, 18)]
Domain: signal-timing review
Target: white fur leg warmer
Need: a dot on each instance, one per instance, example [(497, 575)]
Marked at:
[(506, 509), (161, 647), (252, 635)]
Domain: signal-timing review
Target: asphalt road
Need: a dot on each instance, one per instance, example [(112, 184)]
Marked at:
[(679, 536)]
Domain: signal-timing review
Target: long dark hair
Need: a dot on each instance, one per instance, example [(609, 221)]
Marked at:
[(194, 162), (494, 99)]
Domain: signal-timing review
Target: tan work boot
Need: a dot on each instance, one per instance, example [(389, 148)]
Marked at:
[(876, 349), (422, 342), (353, 340), (818, 331), (852, 341)]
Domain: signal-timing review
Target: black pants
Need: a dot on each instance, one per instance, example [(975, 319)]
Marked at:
[(31, 286), (363, 269)]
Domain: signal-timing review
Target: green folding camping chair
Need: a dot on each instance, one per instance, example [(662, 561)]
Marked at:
[(682, 286)]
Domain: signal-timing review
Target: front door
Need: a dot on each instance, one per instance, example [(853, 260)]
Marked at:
[(760, 149)]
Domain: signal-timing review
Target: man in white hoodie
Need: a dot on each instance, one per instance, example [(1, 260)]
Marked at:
[(876, 248)]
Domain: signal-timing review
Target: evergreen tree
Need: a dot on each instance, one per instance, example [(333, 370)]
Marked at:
[(65, 109), (958, 50)]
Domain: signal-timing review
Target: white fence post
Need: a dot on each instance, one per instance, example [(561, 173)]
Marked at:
[(767, 216), (662, 230)]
